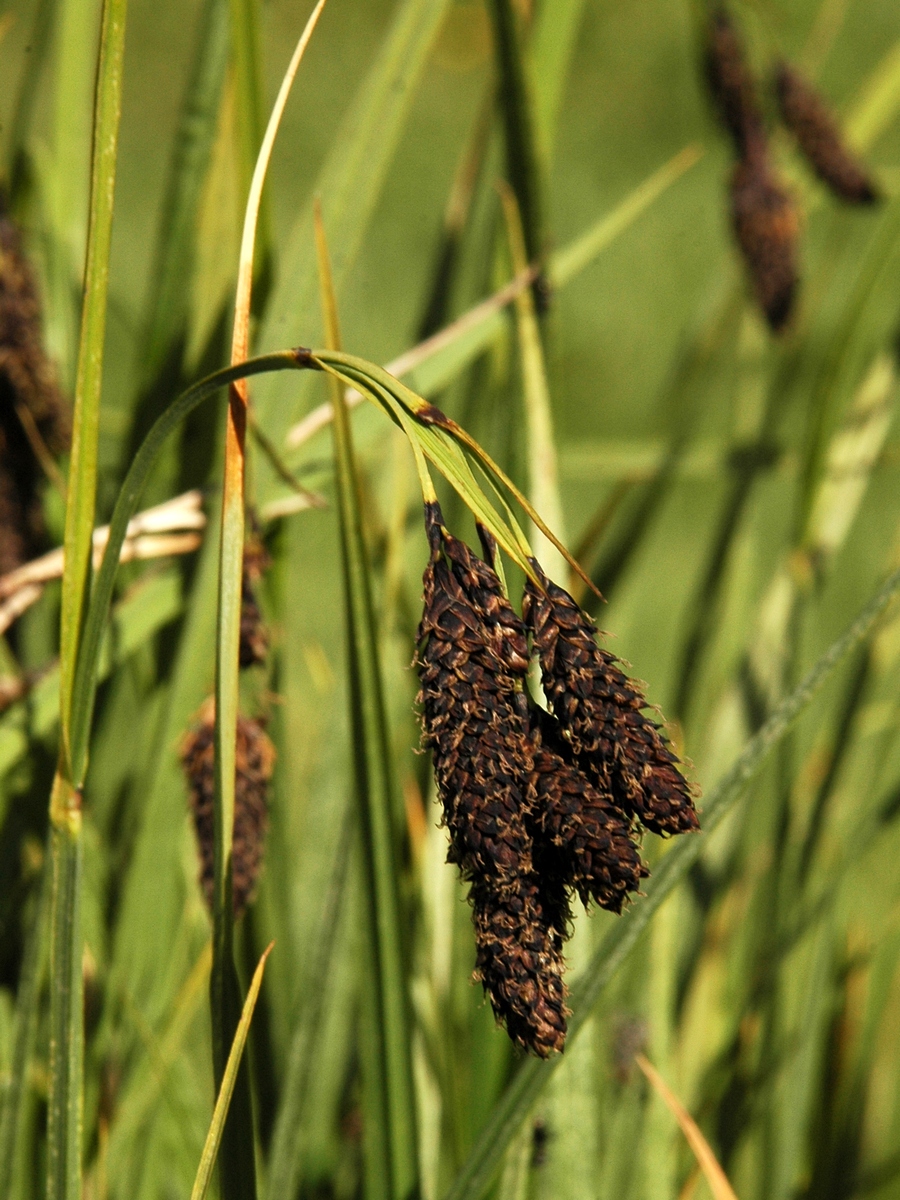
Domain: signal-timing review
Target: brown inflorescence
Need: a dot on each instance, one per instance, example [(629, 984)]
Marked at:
[(31, 406), (601, 717), (519, 962), (255, 760), (473, 659), (587, 838), (766, 226), (538, 805), (807, 116), (731, 83)]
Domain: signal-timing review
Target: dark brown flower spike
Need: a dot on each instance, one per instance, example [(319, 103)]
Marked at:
[(600, 715), (33, 415), (255, 761), (731, 83), (766, 226), (811, 122), (589, 840), (473, 660), (520, 965)]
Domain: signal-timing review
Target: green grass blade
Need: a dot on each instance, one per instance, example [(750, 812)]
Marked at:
[(524, 161), (167, 309), (126, 506), (531, 1079), (543, 472), (349, 186), (878, 102), (553, 42), (839, 364), (249, 91), (284, 1160), (226, 1088), (66, 984), (389, 1015), (66, 185), (430, 367), (27, 1002), (572, 259)]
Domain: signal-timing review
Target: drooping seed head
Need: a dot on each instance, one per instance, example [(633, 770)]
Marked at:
[(600, 715), (520, 964)]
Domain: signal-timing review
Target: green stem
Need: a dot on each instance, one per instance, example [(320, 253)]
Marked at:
[(524, 166), (65, 1107)]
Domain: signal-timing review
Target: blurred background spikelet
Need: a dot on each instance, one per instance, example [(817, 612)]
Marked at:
[(255, 761), (766, 225), (731, 82)]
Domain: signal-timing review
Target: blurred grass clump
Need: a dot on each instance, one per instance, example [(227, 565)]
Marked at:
[(732, 492)]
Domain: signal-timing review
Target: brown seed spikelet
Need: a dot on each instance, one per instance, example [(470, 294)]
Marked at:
[(254, 643), (519, 963), (255, 760), (809, 119), (599, 710), (766, 227), (27, 391), (589, 838), (472, 660), (731, 83), (472, 663)]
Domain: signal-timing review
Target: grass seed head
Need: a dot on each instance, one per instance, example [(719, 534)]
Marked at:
[(601, 718), (255, 761), (472, 662), (766, 226), (810, 120)]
